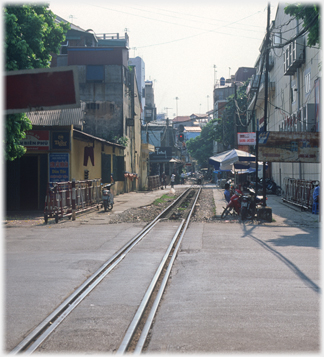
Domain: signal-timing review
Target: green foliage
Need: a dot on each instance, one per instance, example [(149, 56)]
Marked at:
[(234, 108), (31, 35), (16, 125), (121, 141), (310, 14), (201, 147), (221, 129)]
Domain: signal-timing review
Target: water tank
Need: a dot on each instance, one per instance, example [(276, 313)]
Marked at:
[(222, 81)]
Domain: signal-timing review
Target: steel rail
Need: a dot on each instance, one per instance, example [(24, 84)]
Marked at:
[(33, 340), (140, 311)]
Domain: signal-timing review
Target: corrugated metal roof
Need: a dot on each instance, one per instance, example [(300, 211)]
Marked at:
[(181, 119)]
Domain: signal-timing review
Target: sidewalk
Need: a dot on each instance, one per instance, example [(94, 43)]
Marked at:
[(282, 213)]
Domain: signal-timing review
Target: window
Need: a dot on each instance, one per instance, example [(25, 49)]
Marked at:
[(307, 82), (95, 73)]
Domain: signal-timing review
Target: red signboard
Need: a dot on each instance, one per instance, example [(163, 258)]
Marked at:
[(42, 89), (36, 140)]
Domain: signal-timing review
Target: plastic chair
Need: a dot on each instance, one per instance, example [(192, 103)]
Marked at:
[(315, 208)]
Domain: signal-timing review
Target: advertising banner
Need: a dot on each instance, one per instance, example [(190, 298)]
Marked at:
[(279, 146), (58, 167), (36, 140), (246, 138)]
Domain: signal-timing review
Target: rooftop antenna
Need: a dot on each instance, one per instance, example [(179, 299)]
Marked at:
[(72, 17), (165, 108)]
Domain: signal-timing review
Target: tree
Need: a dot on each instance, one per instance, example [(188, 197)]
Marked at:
[(236, 108), (201, 147), (31, 36), (310, 14)]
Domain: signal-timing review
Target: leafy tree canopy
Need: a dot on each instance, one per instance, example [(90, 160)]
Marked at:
[(31, 35), (222, 129), (201, 147), (310, 14)]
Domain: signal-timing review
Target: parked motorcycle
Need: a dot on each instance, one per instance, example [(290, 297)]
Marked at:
[(234, 205), (271, 187), (249, 204), (107, 197)]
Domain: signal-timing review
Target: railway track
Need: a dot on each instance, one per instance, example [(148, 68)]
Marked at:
[(135, 338)]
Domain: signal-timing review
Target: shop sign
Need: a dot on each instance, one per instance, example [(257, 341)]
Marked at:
[(279, 146), (59, 167), (36, 140), (246, 138), (60, 140), (161, 153)]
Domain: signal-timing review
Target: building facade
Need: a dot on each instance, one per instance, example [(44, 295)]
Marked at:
[(294, 84), (109, 93)]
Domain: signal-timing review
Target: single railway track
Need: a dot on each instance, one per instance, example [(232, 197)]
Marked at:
[(35, 338)]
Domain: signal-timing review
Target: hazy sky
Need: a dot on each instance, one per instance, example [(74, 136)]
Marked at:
[(179, 41)]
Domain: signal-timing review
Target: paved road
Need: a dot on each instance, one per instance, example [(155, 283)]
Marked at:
[(235, 287)]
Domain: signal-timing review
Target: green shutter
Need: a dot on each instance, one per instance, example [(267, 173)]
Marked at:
[(105, 168), (119, 168)]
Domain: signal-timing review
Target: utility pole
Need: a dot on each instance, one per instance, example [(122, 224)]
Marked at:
[(266, 98), (235, 127)]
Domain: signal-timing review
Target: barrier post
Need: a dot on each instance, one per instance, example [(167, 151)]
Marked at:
[(73, 200)]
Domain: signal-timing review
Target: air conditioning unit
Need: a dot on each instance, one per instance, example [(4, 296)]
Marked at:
[(309, 120), (293, 56)]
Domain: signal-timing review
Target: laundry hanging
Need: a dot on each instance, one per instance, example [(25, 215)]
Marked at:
[(88, 152)]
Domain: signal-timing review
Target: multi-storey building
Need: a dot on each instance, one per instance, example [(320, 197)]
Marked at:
[(293, 91), (109, 93), (140, 79), (149, 109)]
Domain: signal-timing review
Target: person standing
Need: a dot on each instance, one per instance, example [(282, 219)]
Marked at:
[(163, 180), (172, 180), (316, 194)]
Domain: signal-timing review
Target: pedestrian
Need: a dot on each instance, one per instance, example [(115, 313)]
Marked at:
[(316, 194), (163, 180), (227, 193), (183, 175), (172, 180)]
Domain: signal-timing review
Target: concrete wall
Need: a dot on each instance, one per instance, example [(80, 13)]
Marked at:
[(106, 119)]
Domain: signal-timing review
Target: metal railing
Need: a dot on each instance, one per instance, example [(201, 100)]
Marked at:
[(299, 192), (64, 199), (154, 182)]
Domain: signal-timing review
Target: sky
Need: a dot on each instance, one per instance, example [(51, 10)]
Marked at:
[(186, 45)]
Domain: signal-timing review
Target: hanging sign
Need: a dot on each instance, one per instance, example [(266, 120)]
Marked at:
[(36, 140), (246, 138), (58, 167)]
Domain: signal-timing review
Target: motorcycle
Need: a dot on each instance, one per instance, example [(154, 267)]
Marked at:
[(271, 187), (234, 205), (249, 204), (107, 198)]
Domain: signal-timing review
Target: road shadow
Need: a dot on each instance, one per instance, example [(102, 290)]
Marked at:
[(301, 241)]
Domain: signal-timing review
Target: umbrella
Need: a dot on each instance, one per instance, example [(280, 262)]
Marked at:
[(224, 160), (237, 155)]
